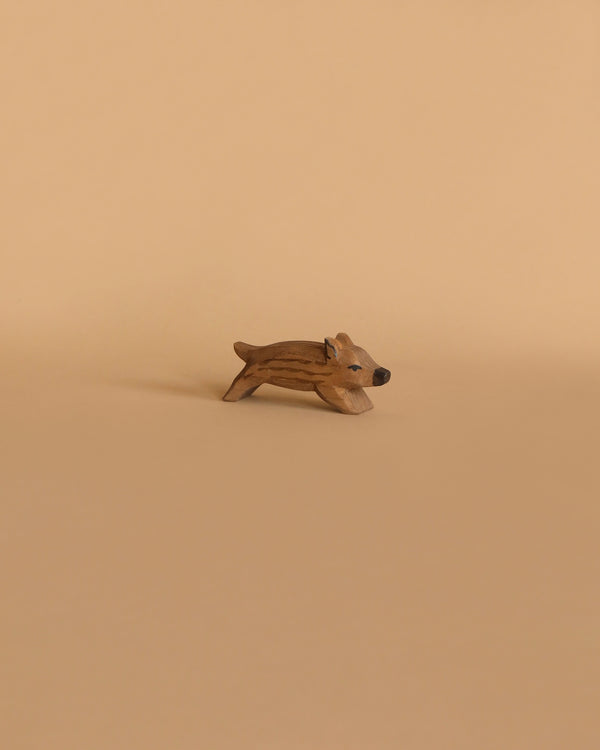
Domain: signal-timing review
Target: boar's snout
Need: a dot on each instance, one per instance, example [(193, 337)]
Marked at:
[(381, 376)]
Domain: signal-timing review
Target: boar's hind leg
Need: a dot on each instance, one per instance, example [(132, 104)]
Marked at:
[(353, 401), (243, 385)]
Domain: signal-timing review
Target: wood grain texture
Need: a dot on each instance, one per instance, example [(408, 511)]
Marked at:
[(336, 369)]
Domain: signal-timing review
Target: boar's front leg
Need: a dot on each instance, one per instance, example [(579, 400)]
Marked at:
[(354, 401)]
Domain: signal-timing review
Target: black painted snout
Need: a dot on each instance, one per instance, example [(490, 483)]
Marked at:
[(381, 376)]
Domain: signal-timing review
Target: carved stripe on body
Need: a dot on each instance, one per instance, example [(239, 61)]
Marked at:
[(287, 369), (293, 359)]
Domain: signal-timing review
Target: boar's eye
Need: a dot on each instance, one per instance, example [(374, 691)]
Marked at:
[(354, 367)]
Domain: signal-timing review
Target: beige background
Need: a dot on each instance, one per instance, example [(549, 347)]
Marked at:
[(183, 573)]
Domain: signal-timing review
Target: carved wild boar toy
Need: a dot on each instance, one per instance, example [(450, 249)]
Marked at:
[(337, 370)]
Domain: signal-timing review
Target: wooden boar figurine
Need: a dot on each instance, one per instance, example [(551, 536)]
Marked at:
[(337, 370)]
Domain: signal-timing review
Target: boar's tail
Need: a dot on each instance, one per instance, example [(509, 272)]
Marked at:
[(244, 350)]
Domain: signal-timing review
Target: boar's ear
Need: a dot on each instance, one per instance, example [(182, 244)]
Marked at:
[(332, 347), (344, 339)]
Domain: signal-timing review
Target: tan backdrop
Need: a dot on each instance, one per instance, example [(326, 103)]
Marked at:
[(185, 573)]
